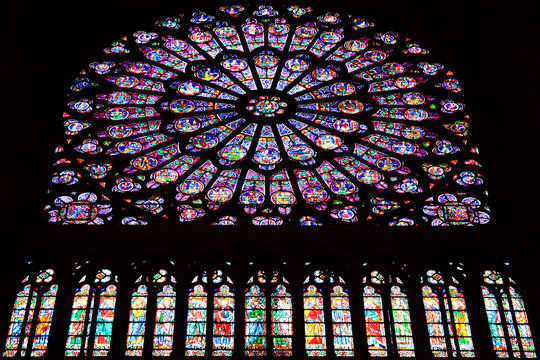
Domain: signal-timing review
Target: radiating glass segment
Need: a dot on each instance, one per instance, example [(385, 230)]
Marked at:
[(314, 325), (402, 322), (282, 329), (164, 330), (374, 316), (223, 340), (104, 322), (137, 322), (255, 305), (196, 322), (341, 322)]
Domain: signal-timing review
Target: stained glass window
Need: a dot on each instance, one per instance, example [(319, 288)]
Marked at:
[(221, 308), (323, 294), (163, 334), (388, 321), (92, 316), (32, 314), (447, 318), (246, 114), (137, 322), (261, 336), (513, 324)]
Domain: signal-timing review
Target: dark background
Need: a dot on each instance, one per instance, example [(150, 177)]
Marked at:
[(491, 46)]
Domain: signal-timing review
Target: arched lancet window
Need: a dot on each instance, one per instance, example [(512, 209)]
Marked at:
[(323, 294), (257, 111), (268, 315), (446, 316), (92, 316), (213, 313), (507, 317), (388, 321), (32, 315), (153, 295)]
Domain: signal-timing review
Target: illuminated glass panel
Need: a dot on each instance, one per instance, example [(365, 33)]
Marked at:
[(223, 340), (163, 333), (137, 322), (373, 311), (282, 328), (402, 322), (255, 322), (341, 322), (495, 323), (314, 325), (16, 327), (460, 321), (514, 308), (44, 322), (104, 322), (78, 319), (434, 321), (196, 322)]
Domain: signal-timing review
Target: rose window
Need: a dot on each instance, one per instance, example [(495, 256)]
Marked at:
[(267, 116)]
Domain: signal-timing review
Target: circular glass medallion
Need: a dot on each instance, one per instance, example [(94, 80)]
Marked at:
[(415, 114), (182, 106), (204, 141), (346, 125), (219, 194), (144, 162), (301, 153), (355, 45), (187, 125), (393, 68), (331, 37), (388, 163), (191, 187), (413, 98), (189, 88), (306, 32), (296, 65), (328, 142), (129, 147), (200, 37), (266, 61), (233, 152), (117, 114), (252, 198), (283, 198), (208, 74), (350, 106), (119, 131), (314, 194), (267, 157), (404, 148), (235, 64), (225, 31), (119, 98), (165, 176), (342, 187), (342, 89), (127, 81), (368, 176), (322, 74)]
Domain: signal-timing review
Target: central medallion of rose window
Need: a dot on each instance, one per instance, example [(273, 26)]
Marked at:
[(266, 106)]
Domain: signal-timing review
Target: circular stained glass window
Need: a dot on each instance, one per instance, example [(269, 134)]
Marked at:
[(266, 115)]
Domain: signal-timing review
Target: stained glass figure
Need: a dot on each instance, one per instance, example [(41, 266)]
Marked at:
[(92, 312), (255, 305), (200, 113), (282, 327), (213, 313), (32, 316), (446, 317), (326, 292), (509, 321), (164, 330), (137, 322), (386, 310)]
